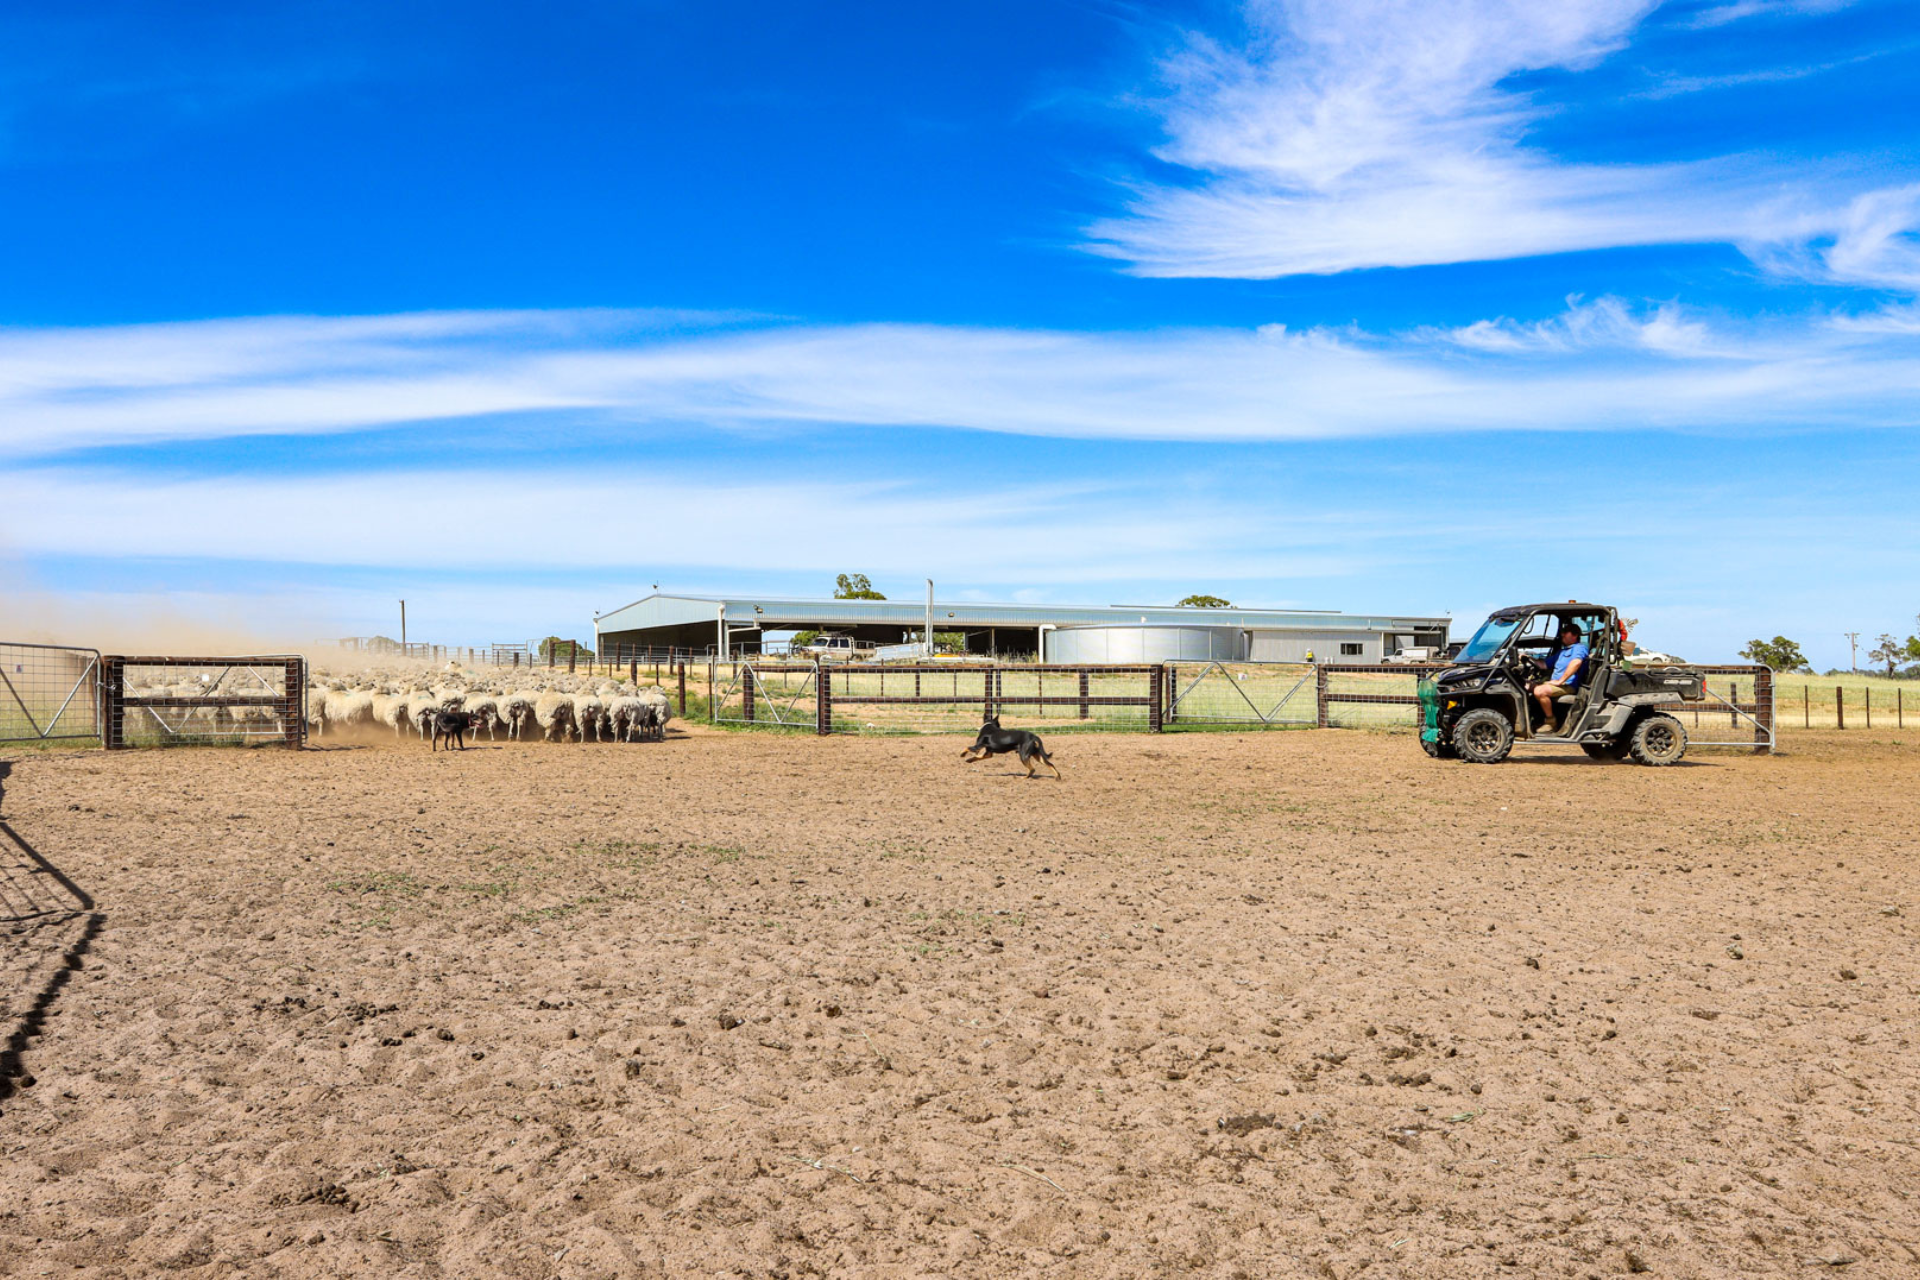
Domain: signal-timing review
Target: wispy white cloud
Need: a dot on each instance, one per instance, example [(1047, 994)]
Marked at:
[(401, 519), (1598, 365), (1719, 15), (1345, 134)]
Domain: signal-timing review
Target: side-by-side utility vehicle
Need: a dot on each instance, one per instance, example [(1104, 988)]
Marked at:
[(1477, 709)]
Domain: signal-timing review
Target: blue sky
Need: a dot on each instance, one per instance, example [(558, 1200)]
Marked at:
[(1356, 304)]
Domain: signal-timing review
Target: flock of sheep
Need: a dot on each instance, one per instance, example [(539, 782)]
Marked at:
[(566, 709)]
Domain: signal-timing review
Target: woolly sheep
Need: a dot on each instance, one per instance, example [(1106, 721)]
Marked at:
[(589, 717), (553, 712), (516, 712)]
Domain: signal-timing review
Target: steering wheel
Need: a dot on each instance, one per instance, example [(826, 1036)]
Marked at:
[(1534, 667)]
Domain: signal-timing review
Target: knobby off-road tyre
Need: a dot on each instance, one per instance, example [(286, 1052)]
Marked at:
[(1659, 740), (1615, 750), (1483, 736)]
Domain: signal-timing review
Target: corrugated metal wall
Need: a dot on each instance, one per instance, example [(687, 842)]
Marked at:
[(1144, 644), (1327, 646)]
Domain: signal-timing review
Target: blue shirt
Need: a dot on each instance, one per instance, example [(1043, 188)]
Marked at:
[(1575, 652)]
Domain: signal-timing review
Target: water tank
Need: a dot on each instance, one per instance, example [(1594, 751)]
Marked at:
[(1133, 643)]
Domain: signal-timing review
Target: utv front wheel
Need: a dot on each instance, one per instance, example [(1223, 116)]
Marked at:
[(1483, 736), (1659, 740)]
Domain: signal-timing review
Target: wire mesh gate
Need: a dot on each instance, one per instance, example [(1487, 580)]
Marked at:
[(1248, 694), (156, 701), (49, 693)]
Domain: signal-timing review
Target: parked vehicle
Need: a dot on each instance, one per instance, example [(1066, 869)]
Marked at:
[(1477, 710)]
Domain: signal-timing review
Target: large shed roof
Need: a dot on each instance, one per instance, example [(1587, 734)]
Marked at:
[(777, 613)]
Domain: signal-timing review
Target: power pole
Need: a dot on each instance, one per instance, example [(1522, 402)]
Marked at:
[(1853, 640), (403, 626)]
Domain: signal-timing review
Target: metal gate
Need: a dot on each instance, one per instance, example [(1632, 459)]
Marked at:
[(167, 701), (781, 696), (49, 693), (1215, 693)]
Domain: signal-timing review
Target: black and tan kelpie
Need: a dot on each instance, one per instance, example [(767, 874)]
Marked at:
[(453, 726), (994, 740)]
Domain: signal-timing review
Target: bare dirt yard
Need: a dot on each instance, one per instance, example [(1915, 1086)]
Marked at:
[(735, 1005)]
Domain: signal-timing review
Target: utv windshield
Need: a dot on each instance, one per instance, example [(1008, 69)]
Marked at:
[(1487, 640)]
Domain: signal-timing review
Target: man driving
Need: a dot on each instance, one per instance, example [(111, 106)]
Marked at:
[(1570, 661)]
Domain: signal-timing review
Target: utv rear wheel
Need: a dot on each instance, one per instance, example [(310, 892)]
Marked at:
[(1659, 740), (1483, 736)]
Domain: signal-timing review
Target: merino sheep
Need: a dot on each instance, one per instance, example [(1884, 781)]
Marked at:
[(659, 712), (589, 717), (553, 712), (485, 710), (392, 710), (349, 709), (516, 712)]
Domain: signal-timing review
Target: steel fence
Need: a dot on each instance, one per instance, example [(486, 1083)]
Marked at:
[(49, 693), (172, 700), (826, 698)]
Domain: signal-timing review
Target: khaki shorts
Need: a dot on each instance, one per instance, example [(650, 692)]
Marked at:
[(1551, 690)]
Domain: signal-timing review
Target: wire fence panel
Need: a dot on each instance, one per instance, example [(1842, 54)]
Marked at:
[(177, 701), (49, 693)]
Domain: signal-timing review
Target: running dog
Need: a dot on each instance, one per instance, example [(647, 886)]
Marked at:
[(994, 740), (453, 726)]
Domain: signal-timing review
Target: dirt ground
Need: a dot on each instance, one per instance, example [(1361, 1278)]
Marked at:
[(740, 1005)]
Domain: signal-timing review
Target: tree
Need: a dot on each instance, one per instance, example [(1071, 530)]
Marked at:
[(558, 649), (1204, 602), (1779, 653), (855, 587), (1889, 650)]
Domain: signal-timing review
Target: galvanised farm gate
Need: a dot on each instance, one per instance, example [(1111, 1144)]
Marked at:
[(66, 694)]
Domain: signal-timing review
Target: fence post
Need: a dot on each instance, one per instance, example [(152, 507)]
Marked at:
[(683, 691), (1083, 693), (1899, 708), (1320, 697), (1733, 710), (113, 710), (1763, 712), (745, 674), (1869, 700), (822, 700), (293, 706), (713, 710), (573, 656), (1840, 706), (1156, 686), (1806, 706)]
